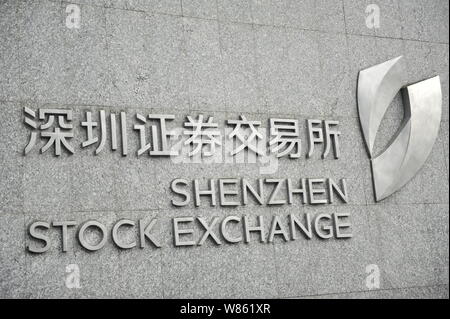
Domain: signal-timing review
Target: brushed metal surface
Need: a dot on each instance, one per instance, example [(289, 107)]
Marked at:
[(412, 144), (377, 87)]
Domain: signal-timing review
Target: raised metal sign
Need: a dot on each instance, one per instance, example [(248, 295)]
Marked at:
[(412, 144)]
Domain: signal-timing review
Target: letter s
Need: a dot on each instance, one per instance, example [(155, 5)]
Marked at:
[(178, 190), (34, 234)]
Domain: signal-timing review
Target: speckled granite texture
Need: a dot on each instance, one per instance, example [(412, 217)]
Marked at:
[(262, 58)]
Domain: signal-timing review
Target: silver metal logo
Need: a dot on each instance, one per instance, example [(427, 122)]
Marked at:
[(412, 144)]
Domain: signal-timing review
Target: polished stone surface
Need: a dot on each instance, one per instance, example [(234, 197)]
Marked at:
[(260, 58)]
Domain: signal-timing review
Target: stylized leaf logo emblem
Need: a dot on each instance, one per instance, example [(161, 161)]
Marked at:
[(408, 151)]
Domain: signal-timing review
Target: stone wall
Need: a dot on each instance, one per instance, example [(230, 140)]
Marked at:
[(225, 58)]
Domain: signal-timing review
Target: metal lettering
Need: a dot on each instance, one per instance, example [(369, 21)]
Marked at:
[(223, 193), (179, 191), (320, 230), (277, 229), (115, 237), (145, 233), (338, 225), (85, 243), (209, 231), (64, 227), (276, 190), (316, 191), (177, 231), (259, 196), (259, 228), (208, 192), (223, 226), (291, 191), (36, 235), (294, 223)]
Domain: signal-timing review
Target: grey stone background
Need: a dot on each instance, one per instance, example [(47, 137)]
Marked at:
[(261, 58)]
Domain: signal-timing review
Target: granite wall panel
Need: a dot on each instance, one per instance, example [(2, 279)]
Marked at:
[(258, 58)]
